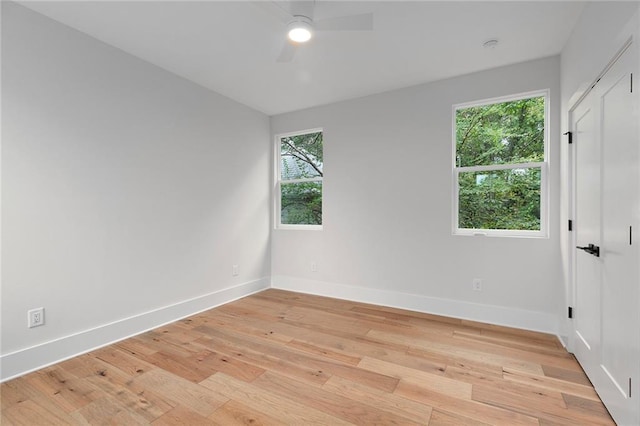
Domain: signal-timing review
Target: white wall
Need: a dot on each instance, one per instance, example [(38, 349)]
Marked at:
[(601, 31), (387, 209), (127, 193)]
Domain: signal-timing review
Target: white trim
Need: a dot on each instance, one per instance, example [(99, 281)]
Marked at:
[(299, 132), (544, 169), (571, 215), (518, 318), (30, 359), (509, 166), (302, 180), (505, 233), (501, 99), (284, 227)]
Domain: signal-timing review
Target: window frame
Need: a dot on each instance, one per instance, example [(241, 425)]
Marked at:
[(542, 165), (278, 182)]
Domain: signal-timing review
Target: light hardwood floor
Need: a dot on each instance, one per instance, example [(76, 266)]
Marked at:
[(286, 358)]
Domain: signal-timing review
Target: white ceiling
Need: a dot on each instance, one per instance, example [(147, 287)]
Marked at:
[(231, 47)]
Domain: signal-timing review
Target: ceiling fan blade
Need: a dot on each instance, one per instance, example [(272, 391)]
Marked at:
[(303, 8), (274, 9), (288, 52), (362, 22)]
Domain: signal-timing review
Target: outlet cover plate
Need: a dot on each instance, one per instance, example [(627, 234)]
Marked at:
[(477, 284), (35, 317)]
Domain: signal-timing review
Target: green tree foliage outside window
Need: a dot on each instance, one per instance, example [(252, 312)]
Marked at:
[(499, 161), (301, 163)]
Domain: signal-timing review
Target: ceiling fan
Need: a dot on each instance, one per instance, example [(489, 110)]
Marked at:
[(301, 25)]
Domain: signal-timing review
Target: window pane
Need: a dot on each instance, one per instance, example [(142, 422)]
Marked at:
[(500, 199), (301, 156), (301, 203), (507, 132)]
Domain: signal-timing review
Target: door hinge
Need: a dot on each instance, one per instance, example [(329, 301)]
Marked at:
[(570, 313), (570, 225), (631, 83), (629, 387), (570, 135), (630, 235)]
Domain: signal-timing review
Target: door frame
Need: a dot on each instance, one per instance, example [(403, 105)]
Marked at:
[(579, 96)]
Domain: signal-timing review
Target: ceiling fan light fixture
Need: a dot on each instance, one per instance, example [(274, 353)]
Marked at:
[(300, 30)]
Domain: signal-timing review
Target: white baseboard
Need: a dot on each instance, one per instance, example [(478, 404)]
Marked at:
[(26, 360), (499, 315)]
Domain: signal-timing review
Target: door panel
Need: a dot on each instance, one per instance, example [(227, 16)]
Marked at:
[(588, 270)]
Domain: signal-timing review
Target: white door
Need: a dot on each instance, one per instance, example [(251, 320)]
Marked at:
[(620, 294), (607, 319)]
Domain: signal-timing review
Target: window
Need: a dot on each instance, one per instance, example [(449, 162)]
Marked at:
[(500, 166), (299, 180)]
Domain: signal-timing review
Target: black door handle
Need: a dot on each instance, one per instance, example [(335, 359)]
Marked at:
[(591, 249)]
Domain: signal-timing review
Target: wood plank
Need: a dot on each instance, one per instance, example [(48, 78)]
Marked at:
[(323, 351), (182, 392), (182, 416), (575, 375), (533, 396), (439, 418), (68, 392), (525, 352), (23, 391), (219, 362), (265, 361), (124, 361), (540, 347), (545, 382), (588, 406), (135, 347), (13, 392), (437, 383), (28, 413), (276, 406), (511, 331), (244, 323), (108, 411), (390, 402), (187, 367), (466, 408), (347, 409), (461, 350), (110, 380), (236, 413), (541, 407), (289, 298)]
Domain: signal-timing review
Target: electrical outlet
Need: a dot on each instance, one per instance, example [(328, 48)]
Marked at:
[(476, 284), (35, 317), (235, 270), (314, 267)]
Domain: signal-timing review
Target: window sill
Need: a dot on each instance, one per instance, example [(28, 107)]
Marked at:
[(298, 228), (500, 233)]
